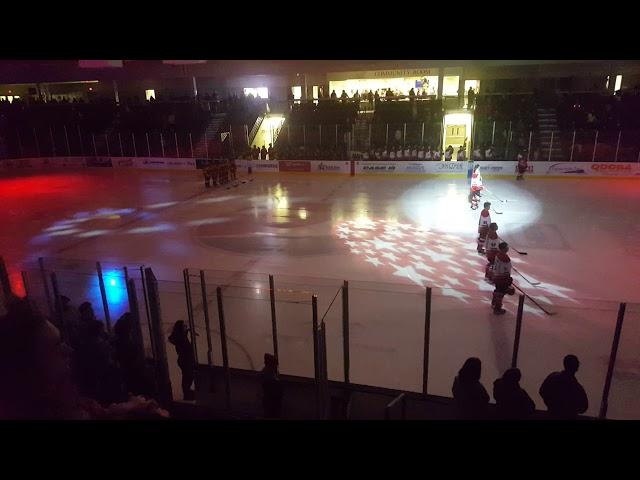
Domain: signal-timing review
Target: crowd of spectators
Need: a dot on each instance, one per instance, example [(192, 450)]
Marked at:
[(84, 374), (73, 369), (562, 393), (592, 111)]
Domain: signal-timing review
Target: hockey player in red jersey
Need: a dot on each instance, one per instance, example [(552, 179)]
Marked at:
[(501, 278), (483, 226), (476, 187), (491, 246), (522, 166)]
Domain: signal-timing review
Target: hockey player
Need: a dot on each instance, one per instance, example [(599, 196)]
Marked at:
[(522, 166), (501, 278), (476, 187), (491, 246), (483, 225)]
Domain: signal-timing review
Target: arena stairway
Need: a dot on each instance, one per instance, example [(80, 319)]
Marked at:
[(211, 134), (547, 123)]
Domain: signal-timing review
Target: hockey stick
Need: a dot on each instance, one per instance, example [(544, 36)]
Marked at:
[(514, 248), (534, 302), (495, 211), (533, 284), (494, 195)]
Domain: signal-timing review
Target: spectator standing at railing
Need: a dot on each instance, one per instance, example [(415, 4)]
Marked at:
[(344, 97), (471, 98), (563, 395), (271, 152), (333, 95), (469, 394), (376, 99), (186, 361), (370, 98), (263, 153), (512, 401), (271, 387), (477, 153)]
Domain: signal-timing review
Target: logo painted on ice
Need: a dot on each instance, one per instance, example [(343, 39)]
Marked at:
[(565, 168)]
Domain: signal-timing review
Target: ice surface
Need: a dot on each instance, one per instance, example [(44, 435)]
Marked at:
[(389, 237)]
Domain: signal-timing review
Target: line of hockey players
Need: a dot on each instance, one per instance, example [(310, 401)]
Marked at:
[(498, 268), (219, 172)]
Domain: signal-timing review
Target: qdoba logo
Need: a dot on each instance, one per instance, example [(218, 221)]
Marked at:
[(610, 167)]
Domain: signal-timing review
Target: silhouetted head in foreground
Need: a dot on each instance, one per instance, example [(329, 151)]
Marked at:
[(470, 371), (571, 364)]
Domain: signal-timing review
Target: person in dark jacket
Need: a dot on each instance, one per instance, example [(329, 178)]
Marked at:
[(186, 361), (470, 396), (512, 402), (129, 356), (562, 393), (271, 387)]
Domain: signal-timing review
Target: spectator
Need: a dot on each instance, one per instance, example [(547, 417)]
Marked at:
[(333, 95), (271, 387), (270, 152), (129, 356), (471, 98), (263, 153), (412, 95), (470, 396), (376, 98), (428, 155), (370, 98), (95, 365), (488, 154), (344, 97), (186, 361), (562, 393), (448, 154), (461, 156), (512, 402), (477, 153)]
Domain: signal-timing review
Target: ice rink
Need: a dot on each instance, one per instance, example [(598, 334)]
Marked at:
[(390, 237)]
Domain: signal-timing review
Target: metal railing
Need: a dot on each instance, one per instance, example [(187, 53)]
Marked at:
[(315, 326)]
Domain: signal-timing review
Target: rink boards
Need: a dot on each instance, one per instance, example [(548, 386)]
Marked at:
[(339, 167)]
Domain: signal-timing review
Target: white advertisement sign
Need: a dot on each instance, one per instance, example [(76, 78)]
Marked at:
[(330, 166), (162, 163)]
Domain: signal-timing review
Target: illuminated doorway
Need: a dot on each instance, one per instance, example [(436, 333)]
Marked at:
[(457, 131)]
